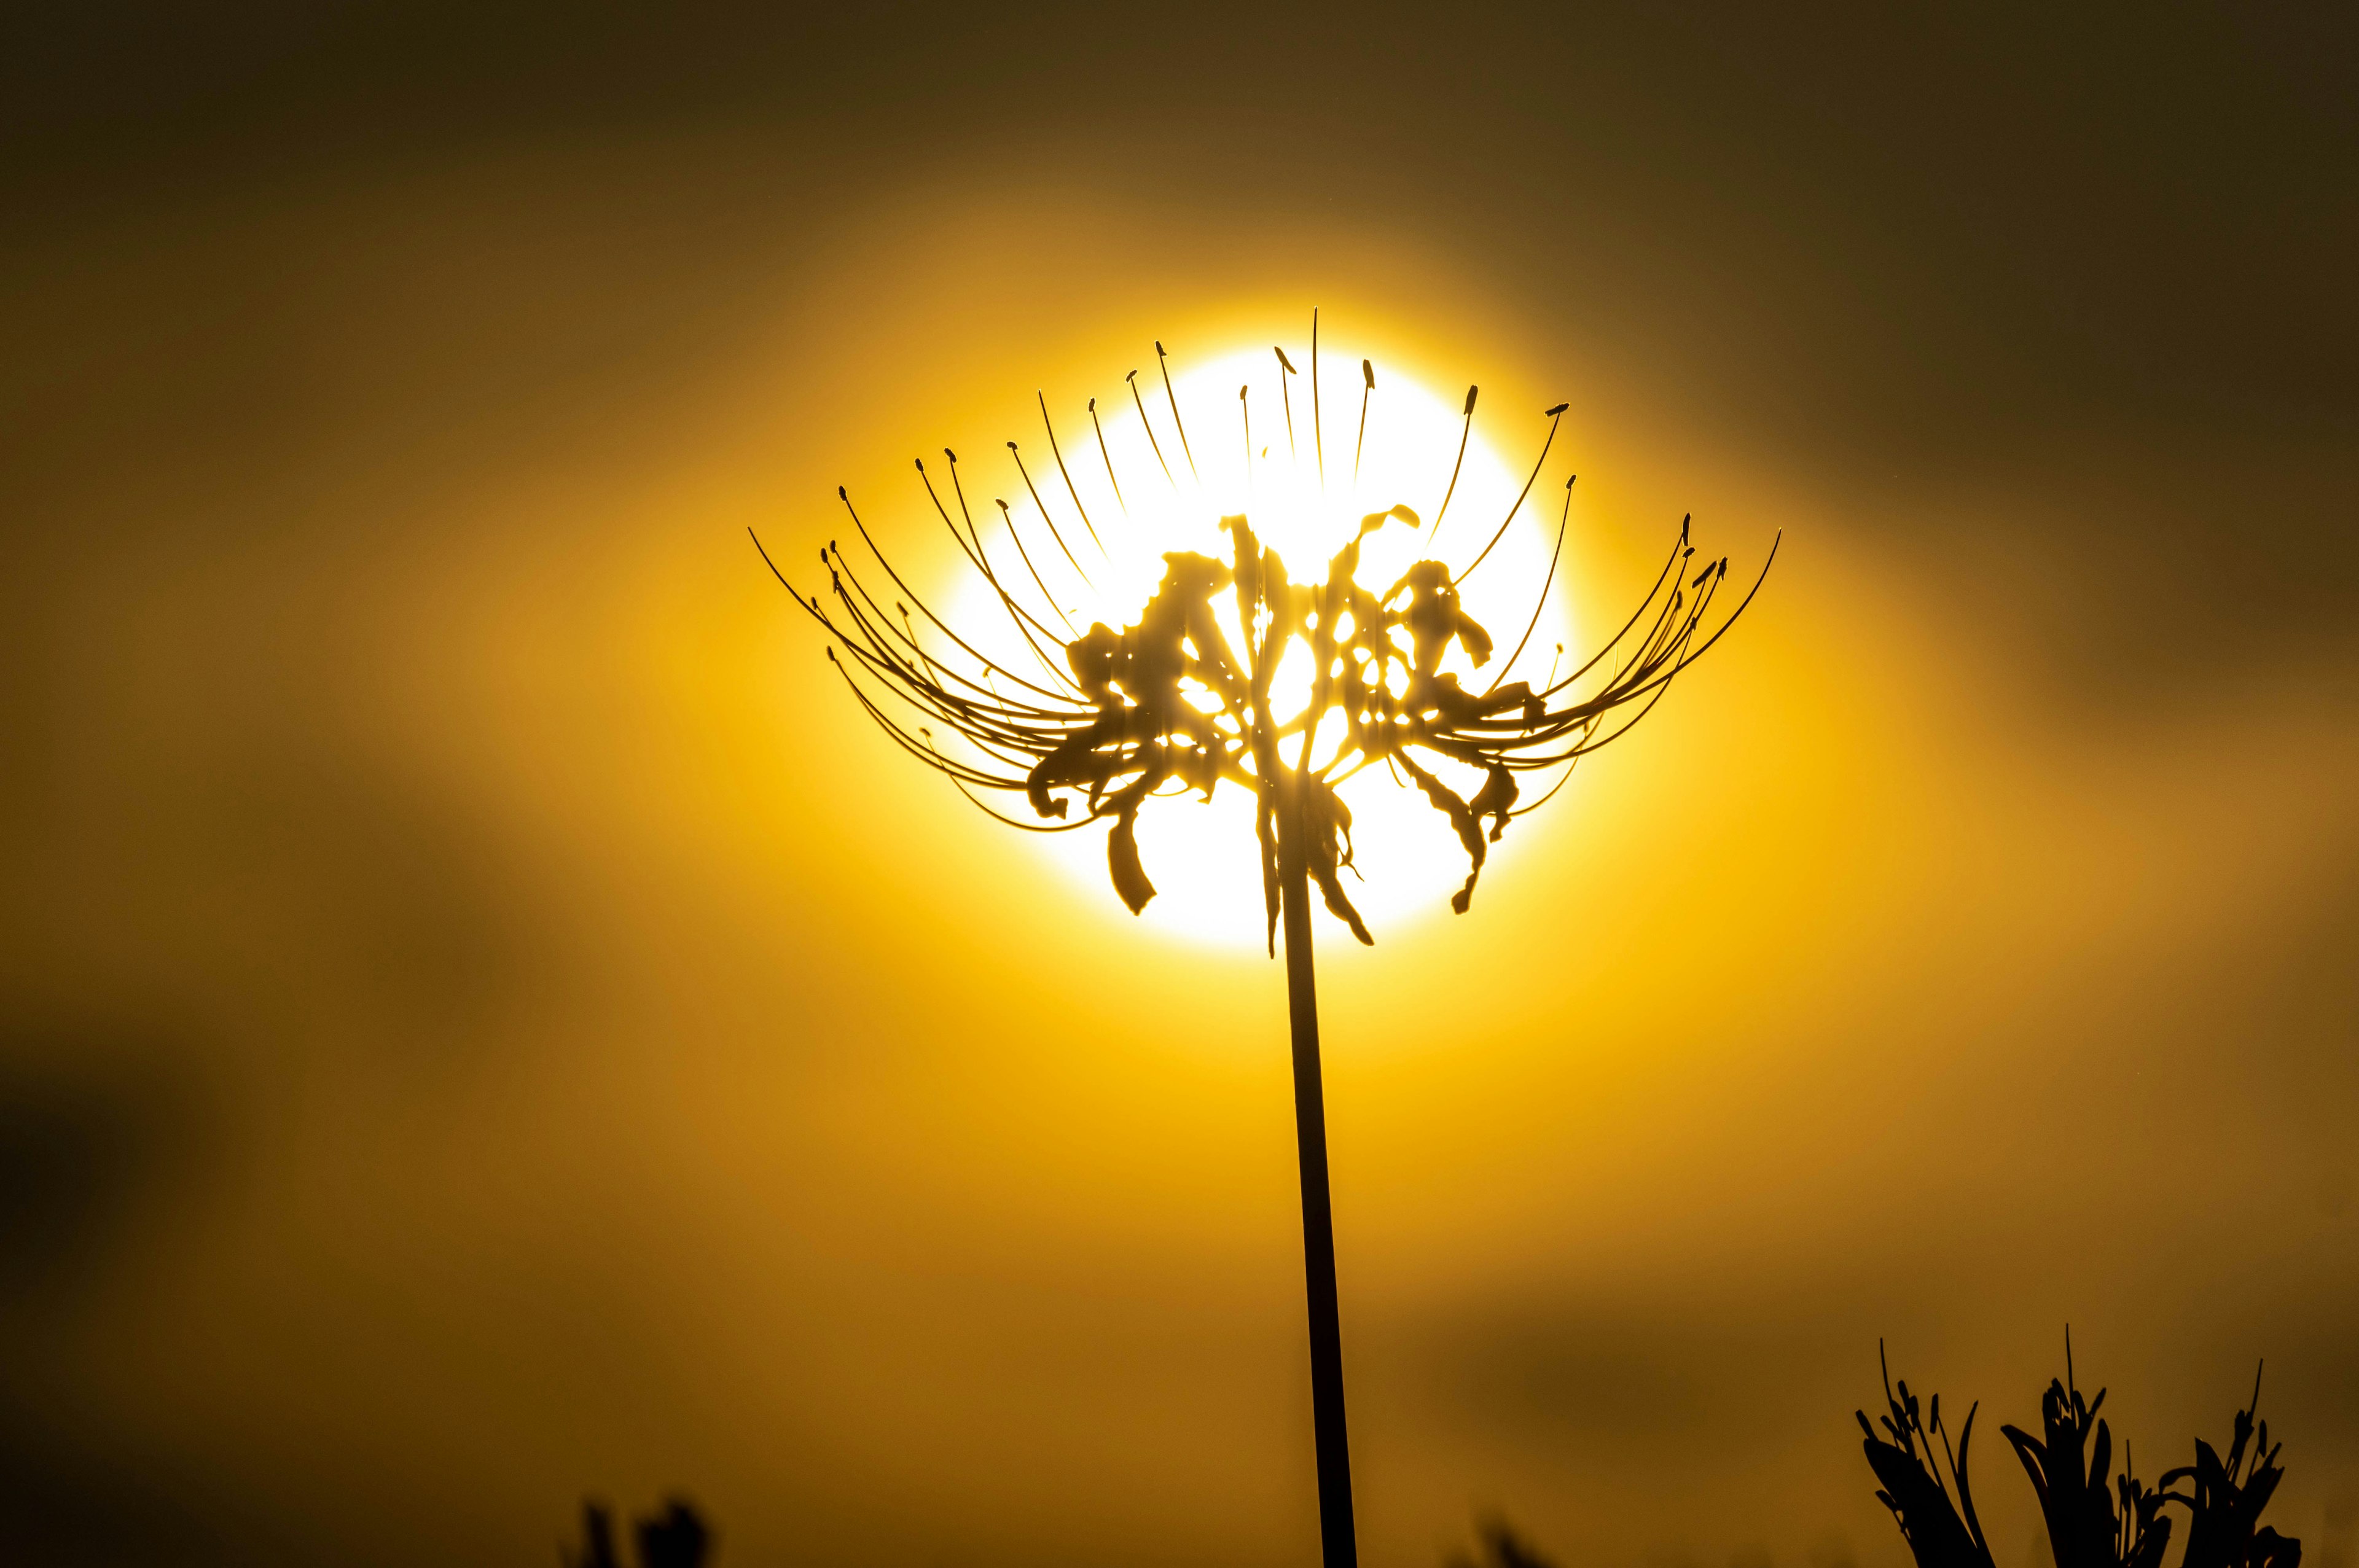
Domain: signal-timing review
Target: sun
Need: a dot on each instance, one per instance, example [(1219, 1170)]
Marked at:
[(1153, 469)]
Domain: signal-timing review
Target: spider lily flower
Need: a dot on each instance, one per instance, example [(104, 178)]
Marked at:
[(1088, 726), (1085, 727)]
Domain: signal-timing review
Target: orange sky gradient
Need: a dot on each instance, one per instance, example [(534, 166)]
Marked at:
[(483, 1018)]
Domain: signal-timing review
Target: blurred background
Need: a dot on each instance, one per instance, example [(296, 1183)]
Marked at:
[(483, 1022)]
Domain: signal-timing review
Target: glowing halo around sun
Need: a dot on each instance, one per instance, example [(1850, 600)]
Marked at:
[(1202, 855)]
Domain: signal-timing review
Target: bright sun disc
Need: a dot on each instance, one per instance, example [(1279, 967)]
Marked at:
[(1202, 856)]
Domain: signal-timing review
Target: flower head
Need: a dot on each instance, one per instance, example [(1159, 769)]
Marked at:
[(1088, 725)]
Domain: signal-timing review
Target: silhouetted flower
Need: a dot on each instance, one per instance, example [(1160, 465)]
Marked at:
[(1177, 702), (1104, 720)]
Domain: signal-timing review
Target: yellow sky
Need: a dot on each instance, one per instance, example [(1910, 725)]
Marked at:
[(557, 1045)]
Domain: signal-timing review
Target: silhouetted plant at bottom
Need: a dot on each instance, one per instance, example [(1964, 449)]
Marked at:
[(2094, 1518), (1942, 1534), (676, 1538), (1498, 1546), (2224, 1530), (2083, 1527)]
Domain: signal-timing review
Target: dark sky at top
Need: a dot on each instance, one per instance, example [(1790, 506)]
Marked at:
[(2114, 244)]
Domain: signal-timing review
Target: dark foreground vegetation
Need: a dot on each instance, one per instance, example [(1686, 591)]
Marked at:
[(2095, 1518), (676, 1538)]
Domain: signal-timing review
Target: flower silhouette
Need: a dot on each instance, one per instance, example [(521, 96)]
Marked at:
[(1089, 725)]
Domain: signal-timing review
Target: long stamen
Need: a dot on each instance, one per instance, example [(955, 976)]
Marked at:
[(1147, 424), (1018, 615), (1174, 398), (1108, 456), (1660, 577), (1556, 417), (1368, 374), (1060, 456), (921, 604), (1285, 400), (845, 574), (1051, 522), (1454, 467), (1025, 555), (1563, 779), (1247, 413), (976, 536), (1318, 433), (1546, 583)]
